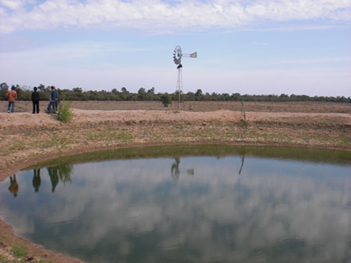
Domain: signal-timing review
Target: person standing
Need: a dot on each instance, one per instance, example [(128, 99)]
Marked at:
[(53, 99), (12, 96), (35, 100)]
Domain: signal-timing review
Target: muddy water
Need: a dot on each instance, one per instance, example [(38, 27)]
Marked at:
[(187, 204)]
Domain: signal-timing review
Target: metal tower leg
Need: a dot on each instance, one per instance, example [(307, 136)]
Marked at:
[(179, 85)]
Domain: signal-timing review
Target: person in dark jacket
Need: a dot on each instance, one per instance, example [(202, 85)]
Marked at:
[(53, 100), (35, 100)]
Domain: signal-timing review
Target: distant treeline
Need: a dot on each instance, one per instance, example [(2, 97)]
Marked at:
[(24, 93)]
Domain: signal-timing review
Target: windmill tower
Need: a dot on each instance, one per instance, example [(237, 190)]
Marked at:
[(177, 58)]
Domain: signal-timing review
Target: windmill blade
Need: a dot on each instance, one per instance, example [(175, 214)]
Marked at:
[(177, 55)]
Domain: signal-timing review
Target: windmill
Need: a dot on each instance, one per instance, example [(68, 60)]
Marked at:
[(177, 58)]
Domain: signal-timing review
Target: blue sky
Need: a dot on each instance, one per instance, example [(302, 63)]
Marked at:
[(244, 46)]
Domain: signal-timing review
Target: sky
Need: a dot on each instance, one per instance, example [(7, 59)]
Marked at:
[(255, 47)]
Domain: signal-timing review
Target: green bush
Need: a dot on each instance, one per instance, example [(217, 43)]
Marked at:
[(166, 100), (65, 113)]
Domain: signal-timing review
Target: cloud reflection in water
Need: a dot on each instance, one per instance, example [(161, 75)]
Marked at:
[(136, 211)]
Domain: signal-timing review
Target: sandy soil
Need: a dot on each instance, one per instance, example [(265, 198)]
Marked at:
[(27, 138)]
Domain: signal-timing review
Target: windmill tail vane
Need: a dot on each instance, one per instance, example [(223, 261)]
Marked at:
[(192, 55)]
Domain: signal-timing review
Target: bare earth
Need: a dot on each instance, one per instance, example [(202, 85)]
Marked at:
[(27, 138)]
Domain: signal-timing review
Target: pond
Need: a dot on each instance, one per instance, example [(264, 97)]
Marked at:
[(206, 203)]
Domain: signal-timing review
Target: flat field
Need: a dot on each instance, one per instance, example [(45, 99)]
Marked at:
[(196, 106)]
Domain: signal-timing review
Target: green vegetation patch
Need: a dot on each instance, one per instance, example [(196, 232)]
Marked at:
[(289, 153), (65, 112), (19, 251)]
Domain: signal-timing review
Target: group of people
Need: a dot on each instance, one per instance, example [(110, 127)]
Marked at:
[(35, 97)]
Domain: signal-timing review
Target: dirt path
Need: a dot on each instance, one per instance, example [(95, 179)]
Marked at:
[(26, 138)]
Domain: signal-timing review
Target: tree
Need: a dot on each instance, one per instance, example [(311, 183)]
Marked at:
[(166, 99), (225, 96), (141, 94), (198, 95), (124, 90), (3, 90), (77, 89), (235, 96), (152, 90), (190, 96), (20, 92), (41, 87)]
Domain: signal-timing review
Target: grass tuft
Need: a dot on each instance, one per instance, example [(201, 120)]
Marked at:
[(65, 112), (19, 251), (243, 123)]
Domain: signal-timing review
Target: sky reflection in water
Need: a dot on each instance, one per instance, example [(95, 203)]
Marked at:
[(190, 209)]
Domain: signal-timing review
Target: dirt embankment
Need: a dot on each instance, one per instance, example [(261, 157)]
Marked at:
[(26, 138)]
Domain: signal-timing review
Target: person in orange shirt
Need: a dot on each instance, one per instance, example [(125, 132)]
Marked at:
[(12, 96)]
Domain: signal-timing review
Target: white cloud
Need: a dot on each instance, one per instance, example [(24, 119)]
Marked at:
[(12, 5), (162, 15)]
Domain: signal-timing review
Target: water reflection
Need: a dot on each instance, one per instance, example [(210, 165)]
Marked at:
[(36, 179), (56, 174), (175, 171), (242, 163), (13, 188), (60, 173), (154, 210)]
